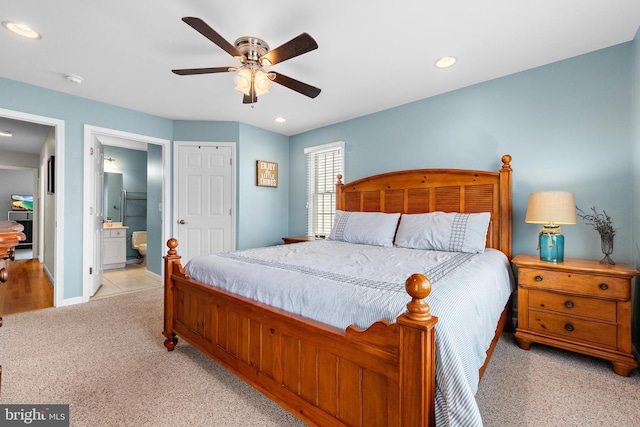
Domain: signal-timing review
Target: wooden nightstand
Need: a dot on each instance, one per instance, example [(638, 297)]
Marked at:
[(297, 239), (577, 305)]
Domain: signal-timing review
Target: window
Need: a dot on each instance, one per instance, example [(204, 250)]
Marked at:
[(324, 163)]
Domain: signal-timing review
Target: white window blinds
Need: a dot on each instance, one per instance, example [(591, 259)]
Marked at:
[(324, 163)]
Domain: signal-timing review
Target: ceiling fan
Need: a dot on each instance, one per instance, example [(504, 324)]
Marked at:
[(254, 54)]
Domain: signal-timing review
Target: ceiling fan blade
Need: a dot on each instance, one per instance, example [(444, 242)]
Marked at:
[(251, 98), (298, 86), (294, 47), (200, 26), (190, 71)]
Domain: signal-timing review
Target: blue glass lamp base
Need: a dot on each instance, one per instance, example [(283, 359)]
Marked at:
[(551, 247)]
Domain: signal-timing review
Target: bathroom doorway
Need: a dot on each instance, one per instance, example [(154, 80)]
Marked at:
[(125, 208), (139, 166)]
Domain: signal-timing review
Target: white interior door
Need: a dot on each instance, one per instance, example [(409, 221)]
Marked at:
[(96, 212), (204, 187)]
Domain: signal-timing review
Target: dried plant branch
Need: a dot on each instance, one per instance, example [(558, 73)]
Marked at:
[(601, 222)]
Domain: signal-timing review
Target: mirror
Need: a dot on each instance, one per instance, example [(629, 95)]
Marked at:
[(112, 190)]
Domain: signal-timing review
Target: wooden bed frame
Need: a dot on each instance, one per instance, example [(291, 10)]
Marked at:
[(384, 376)]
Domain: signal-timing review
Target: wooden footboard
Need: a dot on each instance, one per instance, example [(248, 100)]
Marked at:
[(384, 376)]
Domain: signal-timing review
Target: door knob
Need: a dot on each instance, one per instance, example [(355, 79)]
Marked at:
[(182, 221)]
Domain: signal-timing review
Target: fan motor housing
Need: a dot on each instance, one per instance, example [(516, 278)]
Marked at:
[(252, 47)]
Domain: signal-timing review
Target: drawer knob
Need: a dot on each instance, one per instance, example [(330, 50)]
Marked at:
[(603, 286), (538, 278), (4, 275), (569, 327), (568, 304)]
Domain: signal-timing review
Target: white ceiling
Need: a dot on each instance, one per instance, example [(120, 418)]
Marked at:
[(372, 55), (27, 137)]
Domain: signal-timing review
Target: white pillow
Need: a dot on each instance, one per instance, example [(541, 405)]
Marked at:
[(440, 231), (366, 228)]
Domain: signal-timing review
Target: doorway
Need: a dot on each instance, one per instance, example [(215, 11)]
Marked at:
[(54, 228), (127, 201), (95, 137)]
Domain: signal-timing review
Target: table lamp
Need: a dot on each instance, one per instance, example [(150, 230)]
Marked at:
[(551, 208)]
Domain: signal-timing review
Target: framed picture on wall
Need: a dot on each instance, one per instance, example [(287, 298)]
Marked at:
[(51, 175), (266, 174)]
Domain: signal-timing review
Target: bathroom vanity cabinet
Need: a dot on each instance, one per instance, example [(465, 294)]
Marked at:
[(114, 248)]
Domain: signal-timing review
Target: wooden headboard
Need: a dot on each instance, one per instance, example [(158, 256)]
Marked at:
[(433, 190)]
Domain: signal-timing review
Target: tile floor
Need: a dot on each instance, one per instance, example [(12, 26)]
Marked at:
[(133, 277)]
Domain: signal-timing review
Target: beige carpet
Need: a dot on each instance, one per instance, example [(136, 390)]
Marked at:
[(106, 359), (546, 386)]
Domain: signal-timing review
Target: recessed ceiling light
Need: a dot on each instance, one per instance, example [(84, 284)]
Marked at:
[(445, 62), (22, 30), (6, 133), (280, 120)]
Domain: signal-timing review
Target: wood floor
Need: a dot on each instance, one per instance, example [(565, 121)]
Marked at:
[(28, 288)]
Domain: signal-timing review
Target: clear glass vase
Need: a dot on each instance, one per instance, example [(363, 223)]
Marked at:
[(606, 241)]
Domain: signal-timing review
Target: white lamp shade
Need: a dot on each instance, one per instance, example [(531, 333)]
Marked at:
[(551, 207)]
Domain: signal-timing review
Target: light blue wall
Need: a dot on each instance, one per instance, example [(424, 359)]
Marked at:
[(184, 130), (567, 126), (262, 211)]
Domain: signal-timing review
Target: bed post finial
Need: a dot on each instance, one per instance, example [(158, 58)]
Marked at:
[(172, 244), (339, 192), (506, 161), (419, 287)]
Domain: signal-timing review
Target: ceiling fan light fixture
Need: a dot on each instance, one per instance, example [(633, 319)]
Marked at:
[(261, 81)]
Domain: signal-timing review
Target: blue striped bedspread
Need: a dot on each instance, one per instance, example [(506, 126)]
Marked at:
[(344, 284)]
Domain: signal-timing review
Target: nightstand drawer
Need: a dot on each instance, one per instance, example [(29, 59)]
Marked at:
[(577, 329), (591, 285), (572, 304)]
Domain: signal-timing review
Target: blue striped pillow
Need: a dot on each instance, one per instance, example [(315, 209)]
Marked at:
[(440, 231), (366, 228)]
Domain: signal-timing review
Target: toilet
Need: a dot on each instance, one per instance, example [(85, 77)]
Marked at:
[(139, 243)]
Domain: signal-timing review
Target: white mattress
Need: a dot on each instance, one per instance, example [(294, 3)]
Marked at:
[(344, 284)]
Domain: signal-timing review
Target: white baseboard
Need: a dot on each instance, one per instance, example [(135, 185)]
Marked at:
[(71, 301), (154, 275)]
